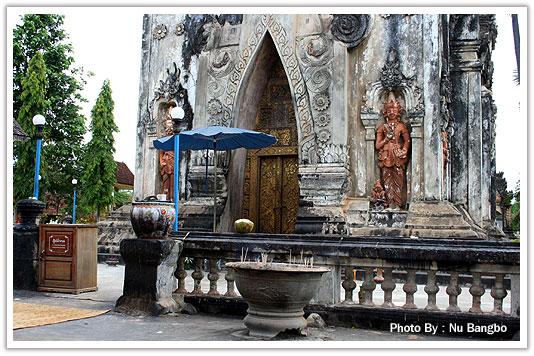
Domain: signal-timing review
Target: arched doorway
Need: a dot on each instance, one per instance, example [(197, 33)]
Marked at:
[(271, 185)]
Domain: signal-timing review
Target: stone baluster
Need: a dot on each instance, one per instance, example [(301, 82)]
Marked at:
[(453, 290), (431, 290), (180, 275), (197, 275), (349, 286), (498, 293), (477, 290), (388, 285), (230, 283), (213, 277), (368, 286), (410, 287)]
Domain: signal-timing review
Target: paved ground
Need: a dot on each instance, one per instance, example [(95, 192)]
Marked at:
[(118, 327)]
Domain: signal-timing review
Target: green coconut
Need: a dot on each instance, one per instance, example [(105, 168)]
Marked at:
[(243, 226)]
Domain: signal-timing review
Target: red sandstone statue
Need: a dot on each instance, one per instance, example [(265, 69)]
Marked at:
[(393, 143), (378, 196), (166, 162)]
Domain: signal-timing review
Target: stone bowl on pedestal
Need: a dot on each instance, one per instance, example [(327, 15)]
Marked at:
[(152, 219), (276, 294)]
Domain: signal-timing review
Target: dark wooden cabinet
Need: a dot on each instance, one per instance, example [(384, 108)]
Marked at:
[(67, 258)]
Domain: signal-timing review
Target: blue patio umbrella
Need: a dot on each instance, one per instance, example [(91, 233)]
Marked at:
[(216, 138)]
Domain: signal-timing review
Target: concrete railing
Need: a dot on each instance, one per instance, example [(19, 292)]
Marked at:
[(410, 265)]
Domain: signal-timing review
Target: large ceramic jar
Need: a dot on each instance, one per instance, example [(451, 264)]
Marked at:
[(152, 218)]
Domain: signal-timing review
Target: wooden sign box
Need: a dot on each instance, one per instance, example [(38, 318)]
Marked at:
[(67, 258)]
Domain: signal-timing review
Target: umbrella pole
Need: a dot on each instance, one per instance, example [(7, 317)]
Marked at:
[(176, 178), (215, 186), (206, 178)]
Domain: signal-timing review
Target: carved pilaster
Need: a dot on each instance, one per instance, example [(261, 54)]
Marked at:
[(466, 142)]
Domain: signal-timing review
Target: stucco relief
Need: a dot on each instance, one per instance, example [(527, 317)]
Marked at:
[(295, 77), (350, 29), (392, 79), (315, 54), (168, 90), (221, 63), (159, 32)]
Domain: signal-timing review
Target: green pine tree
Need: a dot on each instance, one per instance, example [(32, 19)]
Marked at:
[(100, 168), (65, 126), (34, 102)]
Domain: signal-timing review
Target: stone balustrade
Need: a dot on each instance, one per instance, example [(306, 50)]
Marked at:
[(424, 269)]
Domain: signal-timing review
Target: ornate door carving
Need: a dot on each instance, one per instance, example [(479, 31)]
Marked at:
[(271, 190), (278, 193)]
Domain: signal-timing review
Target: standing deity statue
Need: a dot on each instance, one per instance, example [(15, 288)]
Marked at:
[(166, 162), (393, 144)]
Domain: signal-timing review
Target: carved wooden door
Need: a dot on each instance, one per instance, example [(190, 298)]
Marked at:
[(278, 194), (271, 189)]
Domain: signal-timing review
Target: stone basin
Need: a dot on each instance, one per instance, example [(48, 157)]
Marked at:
[(276, 294)]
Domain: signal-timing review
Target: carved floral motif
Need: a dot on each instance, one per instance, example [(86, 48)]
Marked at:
[(323, 136), (321, 102), (215, 88), (391, 76), (318, 79), (214, 107), (159, 32), (315, 50), (179, 29), (322, 120), (350, 29)]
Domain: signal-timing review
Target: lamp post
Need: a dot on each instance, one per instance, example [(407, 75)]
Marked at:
[(39, 121), (74, 182), (177, 115)]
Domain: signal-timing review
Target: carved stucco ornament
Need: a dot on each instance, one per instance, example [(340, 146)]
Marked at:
[(391, 76), (159, 32), (321, 102), (315, 50), (168, 90), (323, 136), (170, 87), (180, 29), (318, 79), (215, 107), (323, 120), (392, 79), (350, 29), (221, 62)]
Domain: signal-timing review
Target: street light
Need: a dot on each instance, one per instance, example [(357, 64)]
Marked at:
[(74, 182), (177, 115), (39, 121)]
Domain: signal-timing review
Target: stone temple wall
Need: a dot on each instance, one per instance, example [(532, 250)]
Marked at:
[(340, 69)]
